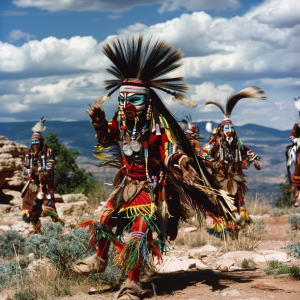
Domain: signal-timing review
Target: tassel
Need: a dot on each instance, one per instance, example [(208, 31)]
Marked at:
[(179, 98), (102, 99)]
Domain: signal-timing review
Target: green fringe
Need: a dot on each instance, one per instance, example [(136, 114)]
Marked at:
[(52, 214)]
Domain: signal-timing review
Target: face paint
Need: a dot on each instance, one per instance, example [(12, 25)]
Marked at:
[(228, 131), (133, 104), (35, 144)]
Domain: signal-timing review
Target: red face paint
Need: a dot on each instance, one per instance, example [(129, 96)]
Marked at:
[(129, 111)]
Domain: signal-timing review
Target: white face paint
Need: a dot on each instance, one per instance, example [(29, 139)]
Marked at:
[(133, 104), (228, 131)]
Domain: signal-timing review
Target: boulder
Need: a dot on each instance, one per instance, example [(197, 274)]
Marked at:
[(74, 208), (17, 199), (5, 227), (225, 262), (11, 158), (175, 264), (74, 198), (257, 256), (58, 198), (5, 208), (190, 229), (207, 249), (222, 268)]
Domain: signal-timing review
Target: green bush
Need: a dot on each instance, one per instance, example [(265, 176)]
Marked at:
[(294, 220), (245, 263), (277, 212), (10, 241), (285, 199), (294, 271), (12, 271), (295, 248), (60, 249)]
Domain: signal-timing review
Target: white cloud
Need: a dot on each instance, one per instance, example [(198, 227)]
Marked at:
[(277, 13), (122, 5), (52, 56), (17, 34), (61, 76), (219, 48)]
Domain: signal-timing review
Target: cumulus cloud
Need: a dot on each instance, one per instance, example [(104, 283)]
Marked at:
[(17, 34), (277, 13), (235, 48), (51, 56), (222, 55)]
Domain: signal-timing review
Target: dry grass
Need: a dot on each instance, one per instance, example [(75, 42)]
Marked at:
[(257, 206), (292, 236), (248, 239), (191, 239)]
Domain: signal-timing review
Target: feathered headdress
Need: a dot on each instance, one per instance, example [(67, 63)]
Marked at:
[(38, 128), (297, 103), (250, 92), (146, 60), (192, 127)]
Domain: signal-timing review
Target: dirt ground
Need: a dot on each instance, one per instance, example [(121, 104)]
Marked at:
[(246, 284), (205, 284)]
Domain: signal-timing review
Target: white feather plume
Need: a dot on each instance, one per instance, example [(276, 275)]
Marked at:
[(38, 127), (208, 127), (297, 104)]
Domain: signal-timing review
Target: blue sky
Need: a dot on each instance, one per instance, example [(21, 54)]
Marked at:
[(51, 61)]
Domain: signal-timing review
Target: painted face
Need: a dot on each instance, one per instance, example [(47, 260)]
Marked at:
[(35, 144), (228, 131), (133, 104)]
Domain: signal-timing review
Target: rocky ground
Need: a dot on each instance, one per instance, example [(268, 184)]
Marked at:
[(204, 272), (191, 270)]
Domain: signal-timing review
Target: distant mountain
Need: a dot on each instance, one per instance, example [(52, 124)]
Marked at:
[(267, 142)]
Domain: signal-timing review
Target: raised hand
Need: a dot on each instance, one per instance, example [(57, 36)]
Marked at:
[(96, 114), (256, 165), (188, 171)]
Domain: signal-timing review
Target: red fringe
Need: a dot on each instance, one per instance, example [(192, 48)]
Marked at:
[(90, 224)]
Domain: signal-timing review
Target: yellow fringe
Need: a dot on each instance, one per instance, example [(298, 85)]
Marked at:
[(244, 214), (148, 210), (108, 211)]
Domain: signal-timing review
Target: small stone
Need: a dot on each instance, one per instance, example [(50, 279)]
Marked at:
[(30, 257), (231, 293), (92, 291), (223, 268)]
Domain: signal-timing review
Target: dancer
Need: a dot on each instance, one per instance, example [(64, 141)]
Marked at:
[(294, 156), (38, 169), (160, 179), (229, 156)]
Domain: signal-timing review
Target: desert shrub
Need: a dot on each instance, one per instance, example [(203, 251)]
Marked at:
[(283, 269), (269, 271), (11, 272), (60, 249), (10, 241), (285, 199), (248, 238), (295, 248), (294, 220), (273, 264), (277, 212), (294, 271), (245, 263)]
